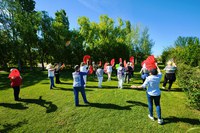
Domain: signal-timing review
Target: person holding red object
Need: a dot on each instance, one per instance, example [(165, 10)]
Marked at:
[(153, 92), (16, 81)]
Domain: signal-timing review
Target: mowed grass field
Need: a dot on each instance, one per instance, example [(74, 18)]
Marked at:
[(43, 110)]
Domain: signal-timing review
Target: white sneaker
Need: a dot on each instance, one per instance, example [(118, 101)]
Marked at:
[(150, 117), (163, 87), (160, 121)]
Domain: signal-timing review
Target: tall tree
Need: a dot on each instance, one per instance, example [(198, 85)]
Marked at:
[(61, 36)]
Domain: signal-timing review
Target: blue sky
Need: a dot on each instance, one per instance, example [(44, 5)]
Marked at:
[(166, 19)]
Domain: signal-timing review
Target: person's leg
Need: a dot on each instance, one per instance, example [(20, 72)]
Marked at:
[(126, 75), (158, 108), (108, 76), (170, 84), (85, 79), (83, 95), (76, 90), (121, 82), (16, 92), (165, 81), (100, 81), (129, 77), (150, 104), (51, 82)]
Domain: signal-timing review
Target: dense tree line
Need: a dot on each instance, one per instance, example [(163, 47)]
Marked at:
[(185, 53), (29, 37)]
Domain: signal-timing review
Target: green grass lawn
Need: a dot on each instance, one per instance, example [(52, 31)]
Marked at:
[(111, 109)]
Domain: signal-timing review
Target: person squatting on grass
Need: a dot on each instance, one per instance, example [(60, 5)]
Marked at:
[(16, 81), (153, 92), (99, 73), (78, 85)]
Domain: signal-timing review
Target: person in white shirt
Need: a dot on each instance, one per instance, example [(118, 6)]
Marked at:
[(99, 73), (152, 83), (109, 71), (51, 76), (120, 75), (84, 68)]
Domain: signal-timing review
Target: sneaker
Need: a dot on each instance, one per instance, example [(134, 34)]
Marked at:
[(160, 121), (151, 117), (163, 87)]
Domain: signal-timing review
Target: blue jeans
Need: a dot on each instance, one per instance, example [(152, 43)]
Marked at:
[(51, 82), (156, 100), (76, 91)]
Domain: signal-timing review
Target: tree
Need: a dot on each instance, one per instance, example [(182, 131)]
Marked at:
[(46, 37), (61, 35)]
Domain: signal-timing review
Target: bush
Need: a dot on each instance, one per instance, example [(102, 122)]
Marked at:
[(188, 79)]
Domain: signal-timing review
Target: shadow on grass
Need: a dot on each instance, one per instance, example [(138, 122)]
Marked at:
[(58, 84), (50, 107), (68, 89), (9, 127), (173, 89), (103, 87), (137, 103), (173, 119), (110, 106), (14, 106)]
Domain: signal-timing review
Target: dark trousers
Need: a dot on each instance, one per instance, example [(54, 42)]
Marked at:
[(169, 77), (51, 82), (128, 75), (57, 78), (16, 92), (156, 100), (76, 92)]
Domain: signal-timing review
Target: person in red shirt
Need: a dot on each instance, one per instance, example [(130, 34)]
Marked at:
[(16, 81)]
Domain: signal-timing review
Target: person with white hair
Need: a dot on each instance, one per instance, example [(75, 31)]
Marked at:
[(170, 74)]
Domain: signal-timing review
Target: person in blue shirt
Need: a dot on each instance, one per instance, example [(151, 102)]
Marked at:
[(152, 83), (78, 85)]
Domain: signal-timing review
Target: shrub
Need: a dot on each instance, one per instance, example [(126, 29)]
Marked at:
[(188, 79)]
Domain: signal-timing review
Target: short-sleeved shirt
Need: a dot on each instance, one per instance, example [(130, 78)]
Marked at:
[(152, 83), (109, 68), (50, 73), (99, 72), (170, 69), (78, 79)]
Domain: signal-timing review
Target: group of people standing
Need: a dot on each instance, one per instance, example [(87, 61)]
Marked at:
[(151, 80)]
